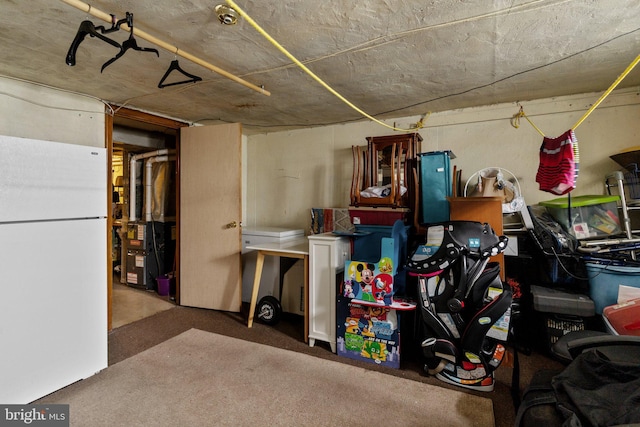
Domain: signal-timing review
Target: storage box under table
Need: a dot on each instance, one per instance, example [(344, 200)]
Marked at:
[(586, 217)]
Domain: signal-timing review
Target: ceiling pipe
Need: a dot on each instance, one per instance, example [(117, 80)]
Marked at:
[(87, 8)]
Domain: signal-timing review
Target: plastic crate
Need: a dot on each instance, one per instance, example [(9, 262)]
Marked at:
[(623, 318), (559, 302), (559, 325), (591, 216), (605, 281)]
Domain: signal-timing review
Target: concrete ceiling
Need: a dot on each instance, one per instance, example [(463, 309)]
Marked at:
[(389, 58)]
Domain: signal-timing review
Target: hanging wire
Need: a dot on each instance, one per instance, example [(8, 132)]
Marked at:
[(310, 73)]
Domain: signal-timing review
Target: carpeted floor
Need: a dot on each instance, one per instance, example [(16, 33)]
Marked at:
[(203, 378), (136, 337)]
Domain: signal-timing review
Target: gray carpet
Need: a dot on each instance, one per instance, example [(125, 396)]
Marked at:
[(202, 378)]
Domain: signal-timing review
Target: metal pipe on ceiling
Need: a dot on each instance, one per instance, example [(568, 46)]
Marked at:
[(168, 47)]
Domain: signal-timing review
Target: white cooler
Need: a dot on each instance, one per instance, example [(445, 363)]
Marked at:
[(270, 281)]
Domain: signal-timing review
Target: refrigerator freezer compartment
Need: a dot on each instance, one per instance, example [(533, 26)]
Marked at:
[(43, 180)]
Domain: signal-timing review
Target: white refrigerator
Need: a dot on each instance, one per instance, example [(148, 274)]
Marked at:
[(53, 266)]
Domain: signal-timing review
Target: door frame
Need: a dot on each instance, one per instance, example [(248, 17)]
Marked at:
[(144, 121)]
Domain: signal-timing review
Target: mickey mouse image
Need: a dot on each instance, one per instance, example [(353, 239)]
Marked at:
[(366, 274)]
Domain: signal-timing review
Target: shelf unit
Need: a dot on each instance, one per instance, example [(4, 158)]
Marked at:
[(327, 256), (615, 182)]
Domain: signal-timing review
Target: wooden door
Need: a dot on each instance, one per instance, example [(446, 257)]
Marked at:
[(210, 215)]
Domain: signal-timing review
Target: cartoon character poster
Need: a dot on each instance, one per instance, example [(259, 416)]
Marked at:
[(368, 333), (369, 282)]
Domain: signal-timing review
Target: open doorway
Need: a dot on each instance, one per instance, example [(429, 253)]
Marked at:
[(143, 223)]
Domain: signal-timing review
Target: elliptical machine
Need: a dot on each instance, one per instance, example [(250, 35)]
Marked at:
[(464, 306)]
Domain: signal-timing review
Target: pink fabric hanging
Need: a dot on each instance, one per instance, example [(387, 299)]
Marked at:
[(559, 160)]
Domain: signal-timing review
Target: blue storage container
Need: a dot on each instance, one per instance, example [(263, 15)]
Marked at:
[(604, 282), (366, 247), (435, 186)]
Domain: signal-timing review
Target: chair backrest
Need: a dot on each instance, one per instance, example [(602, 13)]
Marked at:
[(365, 171)]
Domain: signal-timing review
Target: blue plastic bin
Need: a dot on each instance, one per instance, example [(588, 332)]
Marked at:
[(604, 281)]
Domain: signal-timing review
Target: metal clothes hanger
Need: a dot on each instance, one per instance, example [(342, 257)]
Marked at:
[(130, 43), (175, 66)]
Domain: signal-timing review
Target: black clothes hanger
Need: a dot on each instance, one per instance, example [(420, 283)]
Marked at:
[(87, 27), (176, 66), (130, 43)]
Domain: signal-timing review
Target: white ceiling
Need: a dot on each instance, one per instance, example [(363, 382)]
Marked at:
[(389, 58)]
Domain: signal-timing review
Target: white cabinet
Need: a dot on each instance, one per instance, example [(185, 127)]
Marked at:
[(327, 256)]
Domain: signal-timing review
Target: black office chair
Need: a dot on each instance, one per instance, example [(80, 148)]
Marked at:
[(599, 387)]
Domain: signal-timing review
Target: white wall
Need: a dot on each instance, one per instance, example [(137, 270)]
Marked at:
[(290, 172), (33, 111), (287, 173)]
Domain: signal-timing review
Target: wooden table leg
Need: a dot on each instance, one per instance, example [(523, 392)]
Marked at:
[(256, 287)]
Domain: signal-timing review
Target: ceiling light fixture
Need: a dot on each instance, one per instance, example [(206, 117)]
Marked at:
[(226, 14)]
